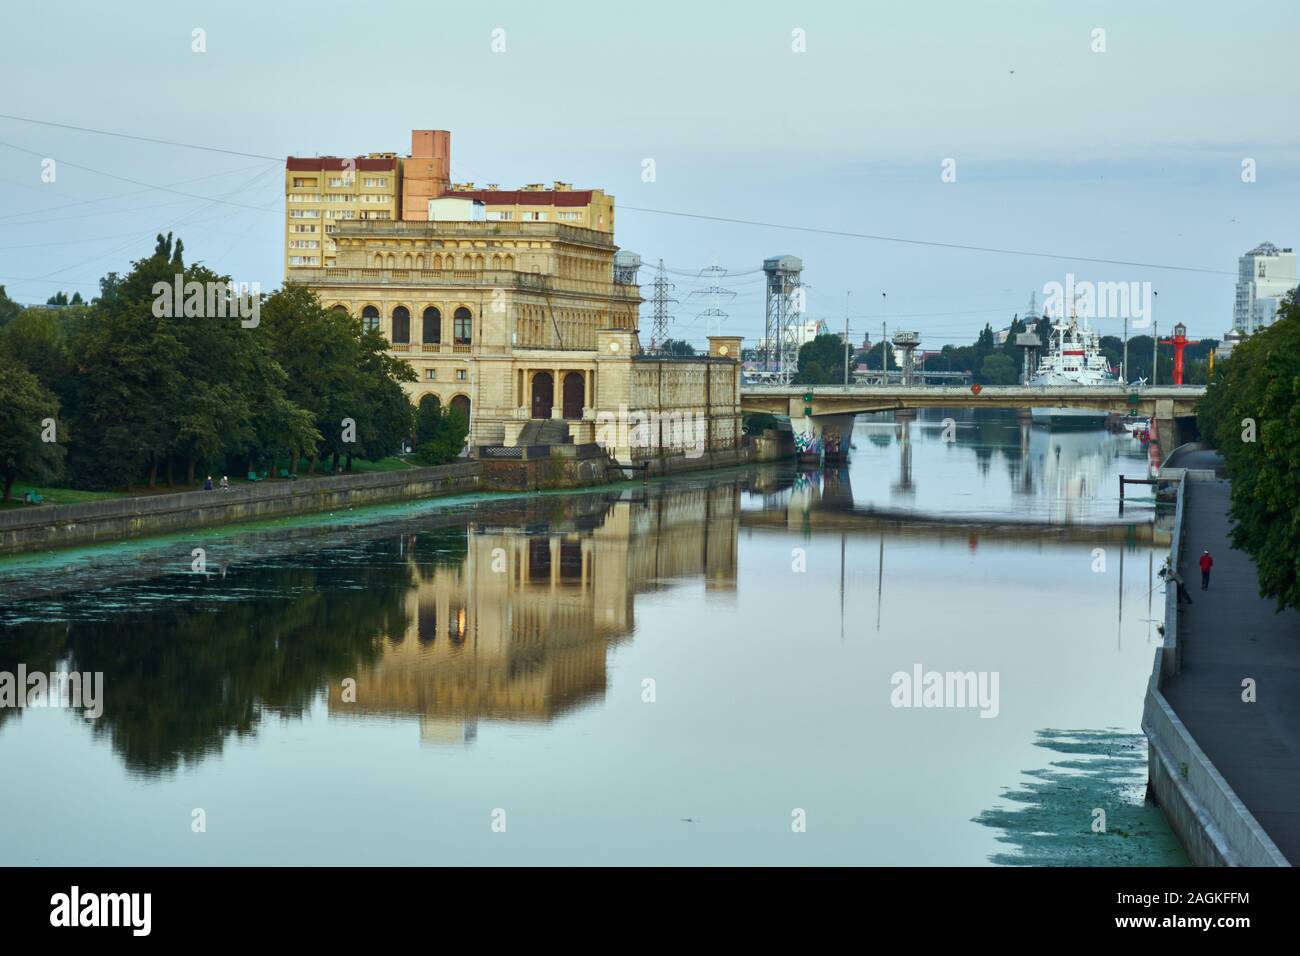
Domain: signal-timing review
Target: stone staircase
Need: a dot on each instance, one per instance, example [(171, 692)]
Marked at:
[(545, 431)]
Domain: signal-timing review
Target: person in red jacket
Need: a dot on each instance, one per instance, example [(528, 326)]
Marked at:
[(1207, 562)]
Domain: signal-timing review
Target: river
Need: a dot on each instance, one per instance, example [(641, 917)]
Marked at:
[(703, 670)]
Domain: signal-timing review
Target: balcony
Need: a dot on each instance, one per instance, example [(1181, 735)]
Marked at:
[(436, 278), (435, 230)]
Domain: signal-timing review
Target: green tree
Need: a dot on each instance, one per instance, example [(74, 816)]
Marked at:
[(446, 429), (1251, 414), (36, 338), (9, 309), (27, 409), (755, 423), (427, 417), (821, 362), (338, 373), (998, 369), (130, 381)]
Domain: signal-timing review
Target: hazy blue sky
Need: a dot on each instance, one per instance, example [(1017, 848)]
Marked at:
[(1132, 154)]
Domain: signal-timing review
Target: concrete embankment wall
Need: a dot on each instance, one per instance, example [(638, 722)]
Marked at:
[(559, 467), (719, 458), (1212, 823), (61, 526)]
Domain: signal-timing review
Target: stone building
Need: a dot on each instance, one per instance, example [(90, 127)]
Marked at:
[(509, 307)]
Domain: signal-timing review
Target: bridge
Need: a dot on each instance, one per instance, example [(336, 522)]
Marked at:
[(814, 408)]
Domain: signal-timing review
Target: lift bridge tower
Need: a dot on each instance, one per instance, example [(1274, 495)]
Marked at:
[(784, 316)]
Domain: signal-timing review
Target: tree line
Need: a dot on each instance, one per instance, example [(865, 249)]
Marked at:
[(108, 394), (821, 361), (1251, 414)]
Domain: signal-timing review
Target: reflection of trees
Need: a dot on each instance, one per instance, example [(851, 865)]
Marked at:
[(38, 646), (439, 547), (420, 605), (214, 658)]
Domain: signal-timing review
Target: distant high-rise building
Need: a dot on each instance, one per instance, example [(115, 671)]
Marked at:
[(1264, 276)]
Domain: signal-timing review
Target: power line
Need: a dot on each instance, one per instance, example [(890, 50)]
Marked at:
[(659, 328), (41, 214), (142, 139), (694, 273), (717, 292), (660, 212), (179, 219), (136, 182), (923, 242)]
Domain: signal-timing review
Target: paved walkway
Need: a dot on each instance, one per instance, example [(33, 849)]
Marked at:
[(1228, 634), (1204, 459)]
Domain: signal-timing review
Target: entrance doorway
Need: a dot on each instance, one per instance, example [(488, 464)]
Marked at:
[(574, 391), (543, 395)]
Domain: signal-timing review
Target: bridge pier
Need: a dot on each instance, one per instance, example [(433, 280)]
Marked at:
[(830, 435)]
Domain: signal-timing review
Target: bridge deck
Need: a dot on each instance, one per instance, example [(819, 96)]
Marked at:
[(1165, 400), (1228, 634)]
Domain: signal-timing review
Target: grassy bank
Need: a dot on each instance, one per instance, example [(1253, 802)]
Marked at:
[(74, 496)]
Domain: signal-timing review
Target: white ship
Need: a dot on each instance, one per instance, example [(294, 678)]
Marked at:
[(1075, 358)]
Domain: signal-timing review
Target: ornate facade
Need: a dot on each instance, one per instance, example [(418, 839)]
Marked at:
[(516, 313)]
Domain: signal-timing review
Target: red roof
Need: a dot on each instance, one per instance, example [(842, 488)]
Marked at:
[(336, 162), (526, 197)]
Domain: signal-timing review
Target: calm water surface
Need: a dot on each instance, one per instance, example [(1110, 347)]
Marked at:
[(664, 673)]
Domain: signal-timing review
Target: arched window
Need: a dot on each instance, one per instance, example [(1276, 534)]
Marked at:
[(574, 395), (432, 326), (370, 318), (401, 325), (460, 405), (463, 326), (341, 309)]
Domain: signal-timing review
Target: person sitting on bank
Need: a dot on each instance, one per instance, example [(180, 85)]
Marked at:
[(1170, 573), (207, 485), (225, 483)]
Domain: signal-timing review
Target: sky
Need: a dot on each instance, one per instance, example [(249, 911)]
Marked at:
[(806, 122)]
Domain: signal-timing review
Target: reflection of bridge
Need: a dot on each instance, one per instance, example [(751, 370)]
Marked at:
[(812, 407), (823, 502), (909, 524)]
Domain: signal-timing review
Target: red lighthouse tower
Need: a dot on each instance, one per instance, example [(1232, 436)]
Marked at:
[(1179, 342)]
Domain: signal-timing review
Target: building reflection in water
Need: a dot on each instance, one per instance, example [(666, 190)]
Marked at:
[(519, 627)]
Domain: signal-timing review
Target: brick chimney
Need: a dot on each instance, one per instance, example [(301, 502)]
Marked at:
[(426, 173)]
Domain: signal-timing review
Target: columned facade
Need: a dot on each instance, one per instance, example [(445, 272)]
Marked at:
[(511, 322)]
